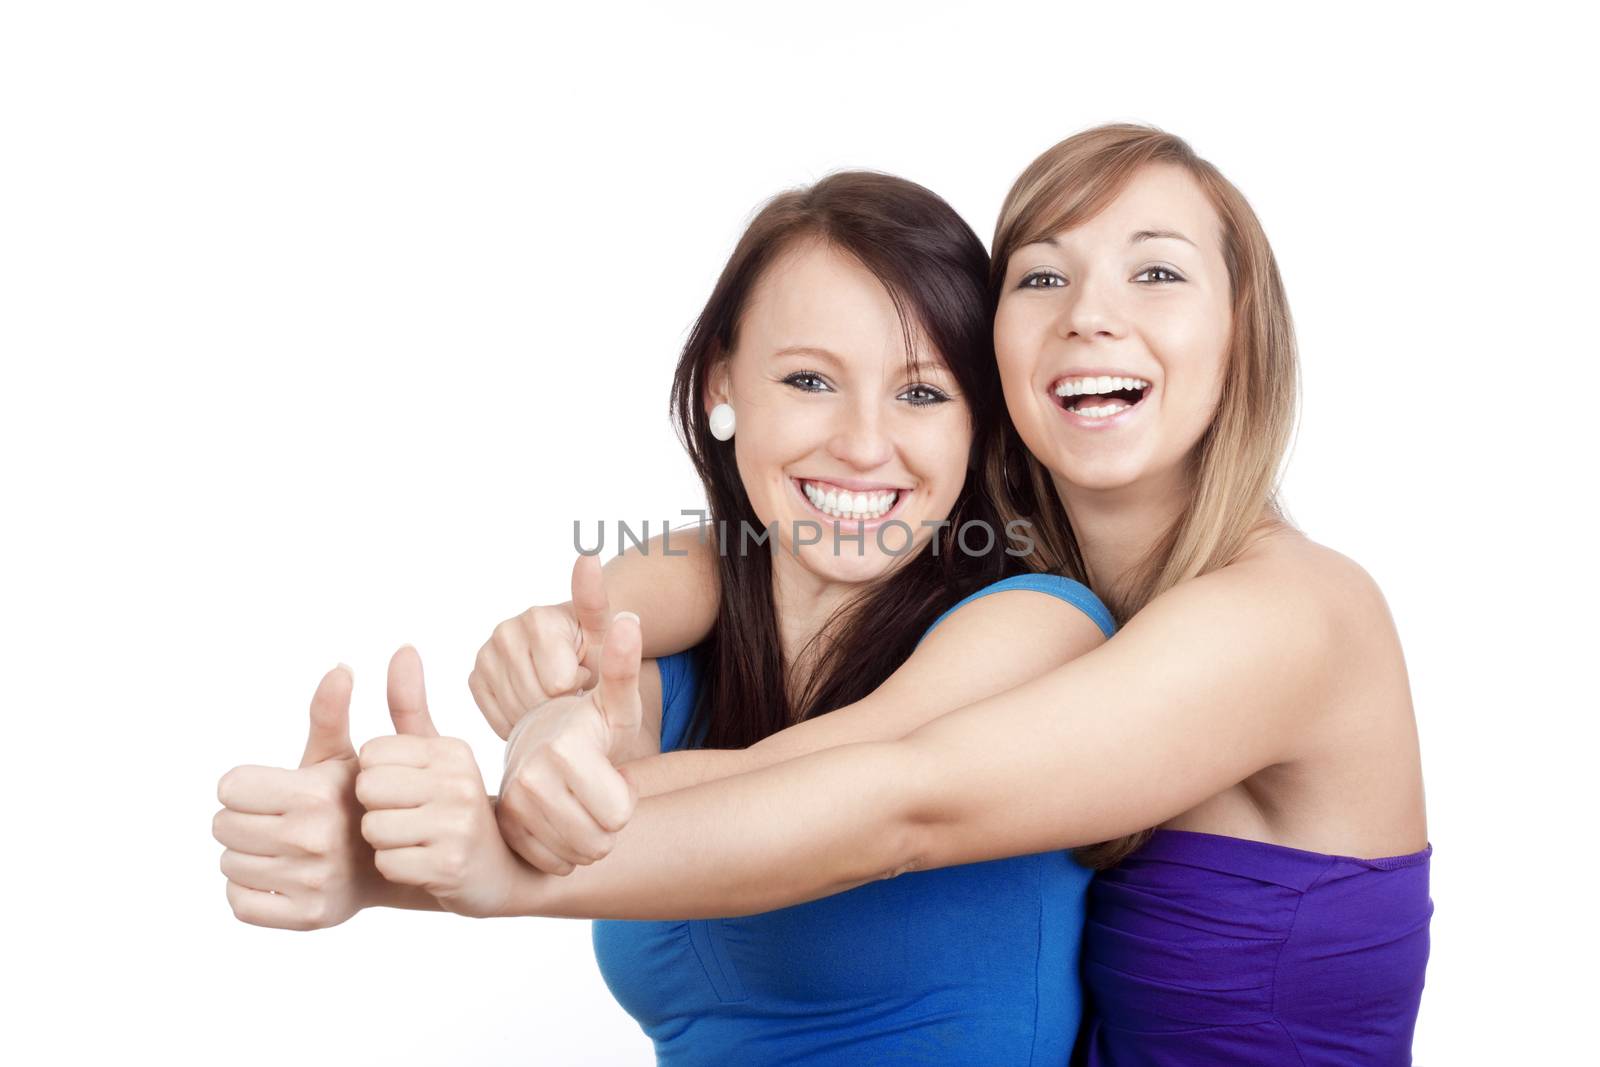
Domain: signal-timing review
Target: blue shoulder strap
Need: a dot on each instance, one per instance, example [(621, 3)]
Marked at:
[(1073, 592)]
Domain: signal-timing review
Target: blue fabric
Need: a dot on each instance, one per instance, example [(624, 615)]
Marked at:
[(976, 964)]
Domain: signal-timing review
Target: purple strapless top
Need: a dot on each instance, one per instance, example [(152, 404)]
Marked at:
[(1203, 951)]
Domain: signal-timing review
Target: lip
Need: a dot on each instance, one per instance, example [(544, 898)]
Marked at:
[(1109, 422), (855, 485), (866, 524)]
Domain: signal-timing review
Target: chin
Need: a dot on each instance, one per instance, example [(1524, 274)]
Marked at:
[(820, 560)]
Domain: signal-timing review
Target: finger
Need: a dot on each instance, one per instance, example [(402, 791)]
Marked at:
[(599, 789), (393, 787), (586, 840), (260, 790), (489, 705), (589, 602), (265, 873), (492, 669), (517, 645), (532, 819), (395, 828), (554, 648), (259, 835), (408, 699), (259, 908), (330, 718), (531, 849), (618, 691), (401, 750), (410, 865)]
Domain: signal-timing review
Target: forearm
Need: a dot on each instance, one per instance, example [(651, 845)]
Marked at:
[(671, 584), (654, 775), (804, 829)]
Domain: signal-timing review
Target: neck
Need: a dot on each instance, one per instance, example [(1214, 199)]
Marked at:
[(1116, 528), (803, 602)]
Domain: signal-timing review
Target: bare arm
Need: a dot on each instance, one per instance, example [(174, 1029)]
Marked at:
[(1203, 688), (985, 647), (675, 596)]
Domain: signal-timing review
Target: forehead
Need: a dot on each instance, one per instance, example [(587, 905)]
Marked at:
[(1159, 196), (815, 295)]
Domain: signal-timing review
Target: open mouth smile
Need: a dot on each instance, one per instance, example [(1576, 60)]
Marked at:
[(1097, 400)]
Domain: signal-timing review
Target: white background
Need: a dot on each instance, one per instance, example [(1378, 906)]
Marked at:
[(322, 322)]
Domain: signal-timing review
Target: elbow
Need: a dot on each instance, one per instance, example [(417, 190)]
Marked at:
[(901, 837)]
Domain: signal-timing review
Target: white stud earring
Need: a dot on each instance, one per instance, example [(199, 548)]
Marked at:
[(722, 421)]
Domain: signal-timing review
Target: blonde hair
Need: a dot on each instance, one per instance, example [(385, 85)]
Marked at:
[(1234, 468)]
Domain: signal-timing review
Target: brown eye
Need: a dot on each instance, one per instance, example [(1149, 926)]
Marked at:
[(1042, 279), (1170, 275)]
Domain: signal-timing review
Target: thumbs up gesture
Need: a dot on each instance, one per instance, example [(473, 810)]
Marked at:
[(562, 801), (428, 817), (543, 653), (293, 853)]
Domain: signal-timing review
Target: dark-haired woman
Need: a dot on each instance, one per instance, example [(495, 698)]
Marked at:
[(850, 335)]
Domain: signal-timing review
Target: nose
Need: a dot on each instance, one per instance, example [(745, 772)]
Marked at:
[(861, 435), (1091, 312)]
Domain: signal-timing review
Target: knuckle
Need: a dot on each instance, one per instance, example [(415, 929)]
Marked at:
[(315, 838), (316, 876)]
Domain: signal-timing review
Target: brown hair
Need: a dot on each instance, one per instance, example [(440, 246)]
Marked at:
[(935, 270), (1234, 468)]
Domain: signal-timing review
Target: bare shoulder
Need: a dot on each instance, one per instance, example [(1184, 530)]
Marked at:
[(1328, 582), (1285, 596), (1311, 610)]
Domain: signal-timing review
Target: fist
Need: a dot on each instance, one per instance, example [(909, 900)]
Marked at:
[(543, 653), (562, 801), (428, 818), (293, 853)]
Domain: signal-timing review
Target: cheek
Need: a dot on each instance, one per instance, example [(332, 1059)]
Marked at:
[(941, 447), (1015, 344)]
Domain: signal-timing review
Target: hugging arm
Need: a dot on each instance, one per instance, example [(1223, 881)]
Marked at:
[(1204, 687), (985, 647)]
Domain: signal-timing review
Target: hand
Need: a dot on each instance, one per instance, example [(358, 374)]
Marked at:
[(293, 852), (429, 819), (562, 801), (543, 653)]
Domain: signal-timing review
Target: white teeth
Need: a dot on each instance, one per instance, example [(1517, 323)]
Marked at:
[(1099, 412), (844, 504), (1098, 384)]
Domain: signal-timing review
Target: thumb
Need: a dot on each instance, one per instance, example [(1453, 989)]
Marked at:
[(408, 700), (589, 603), (330, 718), (618, 691)]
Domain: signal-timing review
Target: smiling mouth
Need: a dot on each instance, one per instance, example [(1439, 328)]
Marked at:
[(838, 503), (1100, 397)]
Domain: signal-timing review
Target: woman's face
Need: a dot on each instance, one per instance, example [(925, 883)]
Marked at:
[(831, 427), (1112, 336)]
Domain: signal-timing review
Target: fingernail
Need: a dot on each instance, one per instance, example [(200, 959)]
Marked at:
[(626, 615), (344, 667)]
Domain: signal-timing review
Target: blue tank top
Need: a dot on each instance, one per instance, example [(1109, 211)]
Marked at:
[(975, 964)]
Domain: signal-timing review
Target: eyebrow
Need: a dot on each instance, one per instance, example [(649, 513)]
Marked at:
[(921, 365), (1155, 235), (1138, 235)]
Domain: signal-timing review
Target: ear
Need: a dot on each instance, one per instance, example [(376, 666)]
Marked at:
[(717, 384)]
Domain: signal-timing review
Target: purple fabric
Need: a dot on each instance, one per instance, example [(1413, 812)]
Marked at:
[(1204, 950)]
